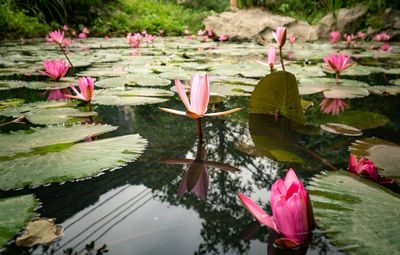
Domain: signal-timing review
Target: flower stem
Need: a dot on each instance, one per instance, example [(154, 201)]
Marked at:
[(90, 106), (69, 61), (272, 69), (199, 129), (280, 53), (337, 78)]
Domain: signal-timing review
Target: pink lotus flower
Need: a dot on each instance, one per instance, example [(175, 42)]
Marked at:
[(55, 36), (200, 32), (290, 55), (360, 34), (335, 36), (55, 70), (73, 33), (107, 38), (271, 58), (222, 38), (204, 38), (333, 105), (199, 97), (144, 32), (82, 35), (292, 39), (293, 217), (210, 32), (280, 36), (337, 63), (381, 37), (58, 94), (366, 169), (186, 32), (65, 27), (385, 47), (85, 30), (160, 31), (86, 86), (189, 37)]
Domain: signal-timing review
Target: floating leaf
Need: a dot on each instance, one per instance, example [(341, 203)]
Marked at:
[(224, 89), (233, 80), (113, 82), (344, 88), (24, 141), (342, 92), (15, 212), (359, 70), (357, 215), (40, 231), (19, 110), (393, 71), (10, 103), (305, 71), (99, 72), (69, 161), (44, 85), (384, 154), (149, 81), (5, 85), (385, 90), (358, 119), (132, 96), (57, 116), (278, 92), (395, 82), (342, 129)]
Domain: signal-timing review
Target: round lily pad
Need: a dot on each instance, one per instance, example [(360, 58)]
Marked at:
[(5, 85), (395, 82), (344, 88), (385, 90), (98, 72), (44, 85), (148, 81), (357, 215), (384, 154), (132, 96), (65, 162)]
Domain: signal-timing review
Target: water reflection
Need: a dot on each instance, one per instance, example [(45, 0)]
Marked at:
[(196, 177)]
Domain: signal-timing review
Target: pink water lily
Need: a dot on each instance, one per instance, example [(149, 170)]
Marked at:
[(366, 168), (334, 36), (86, 86), (271, 61), (385, 47), (280, 36), (222, 38), (199, 97), (337, 63), (55, 70), (55, 36), (292, 39), (333, 105), (293, 217)]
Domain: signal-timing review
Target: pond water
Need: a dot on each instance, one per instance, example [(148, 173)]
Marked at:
[(139, 207)]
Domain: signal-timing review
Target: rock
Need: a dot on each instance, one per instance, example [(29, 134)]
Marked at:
[(348, 21), (256, 25), (392, 27)]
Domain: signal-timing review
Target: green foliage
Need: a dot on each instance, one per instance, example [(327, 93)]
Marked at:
[(15, 23), (207, 5), (152, 15)]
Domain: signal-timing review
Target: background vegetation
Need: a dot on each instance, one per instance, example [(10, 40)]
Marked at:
[(33, 18)]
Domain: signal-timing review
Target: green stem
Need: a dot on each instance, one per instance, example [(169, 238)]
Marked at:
[(337, 78), (69, 61)]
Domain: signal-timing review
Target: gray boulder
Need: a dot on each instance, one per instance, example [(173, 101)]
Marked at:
[(348, 21), (256, 25)]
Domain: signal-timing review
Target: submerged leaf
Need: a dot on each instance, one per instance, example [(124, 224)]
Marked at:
[(357, 215), (40, 231), (342, 129)]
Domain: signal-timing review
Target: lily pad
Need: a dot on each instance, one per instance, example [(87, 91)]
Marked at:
[(278, 92), (395, 82), (113, 82), (385, 90), (44, 85), (358, 119), (224, 89), (148, 81), (5, 85), (69, 161), (393, 71), (15, 212), (342, 129), (47, 113), (40, 231), (357, 215), (360, 70), (34, 139), (132, 96), (99, 72), (233, 80), (384, 154), (344, 88), (305, 71), (10, 103)]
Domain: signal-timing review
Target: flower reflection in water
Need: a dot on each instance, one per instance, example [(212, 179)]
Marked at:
[(196, 177)]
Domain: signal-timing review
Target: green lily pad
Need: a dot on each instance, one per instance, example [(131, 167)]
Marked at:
[(10, 103), (278, 92), (395, 82), (392, 71), (132, 96), (24, 141), (357, 215), (15, 212), (358, 119), (360, 70), (44, 85), (233, 80), (68, 161), (148, 81), (99, 72), (115, 82), (342, 129), (385, 90), (224, 89), (47, 112), (5, 85), (384, 154), (344, 88), (305, 71)]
